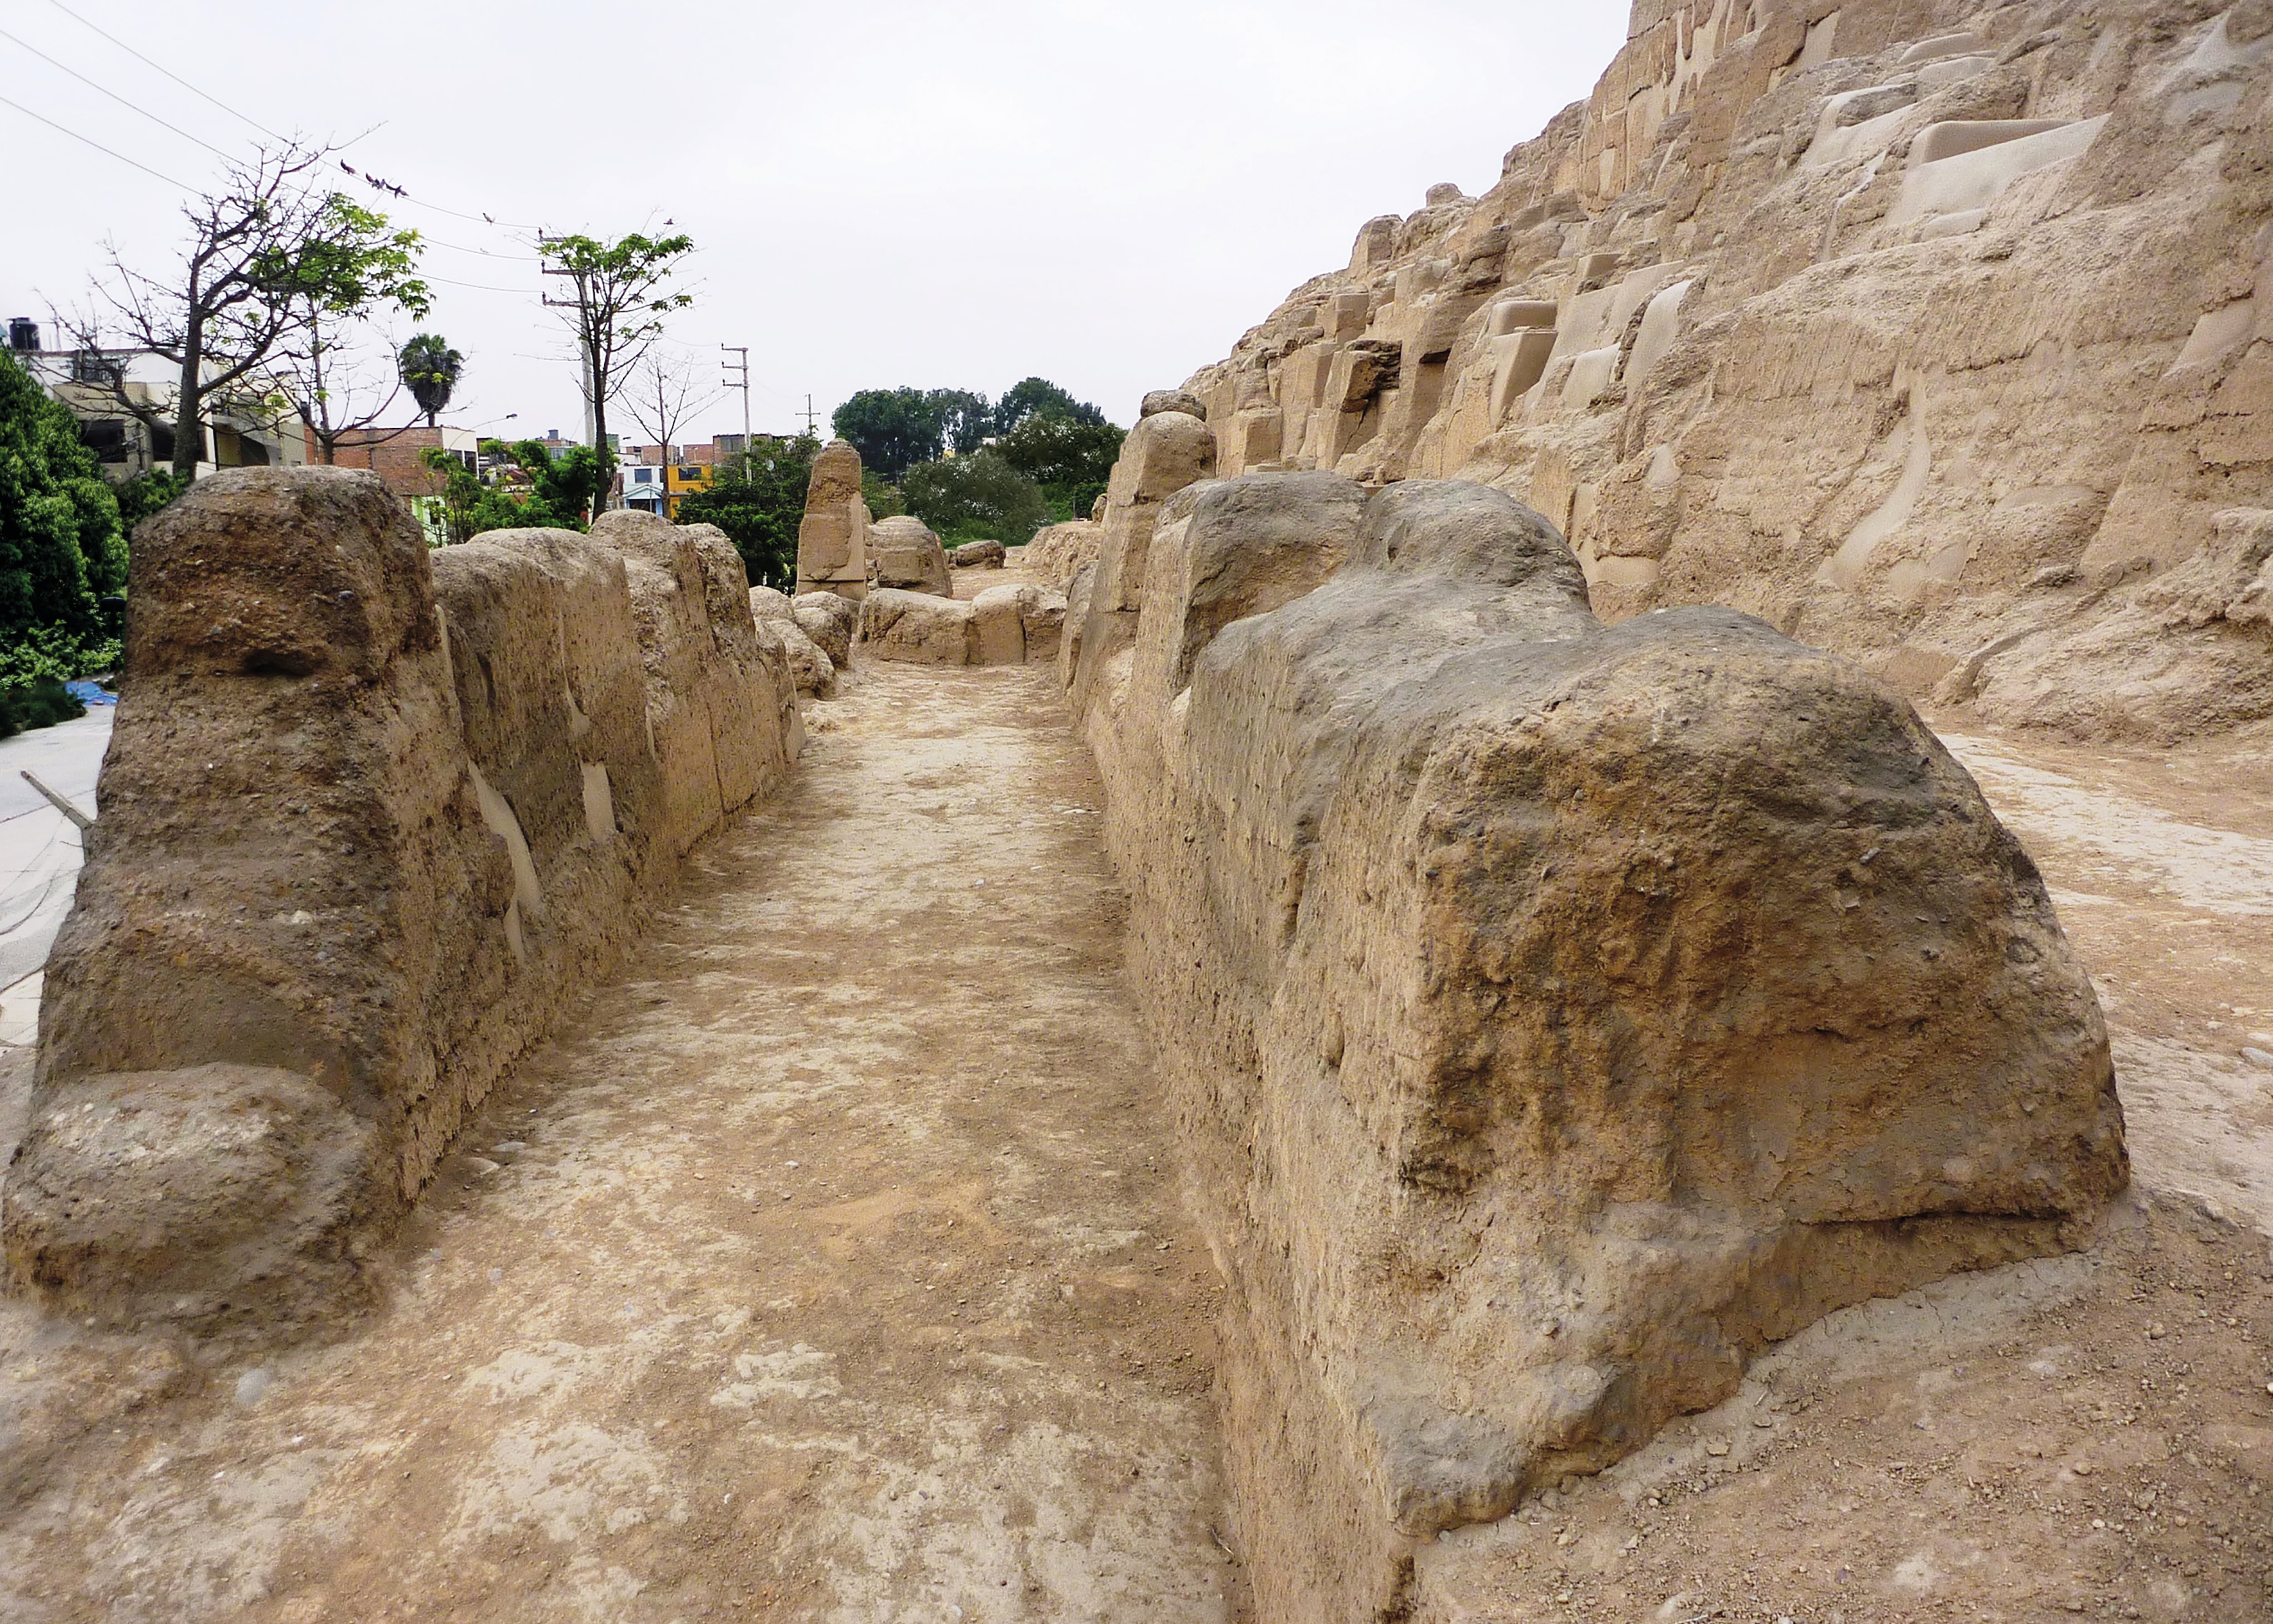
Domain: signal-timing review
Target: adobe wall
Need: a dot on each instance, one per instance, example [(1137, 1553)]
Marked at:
[(1555, 1012), (1930, 331), (371, 818)]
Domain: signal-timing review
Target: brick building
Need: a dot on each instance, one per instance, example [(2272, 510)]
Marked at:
[(397, 456)]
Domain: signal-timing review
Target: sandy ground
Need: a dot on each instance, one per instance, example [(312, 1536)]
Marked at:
[(833, 1269)]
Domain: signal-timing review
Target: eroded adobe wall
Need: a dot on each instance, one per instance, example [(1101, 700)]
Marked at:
[(371, 817), (1557, 1012), (1930, 331)]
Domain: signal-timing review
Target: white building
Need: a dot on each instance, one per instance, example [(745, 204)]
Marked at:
[(244, 431)]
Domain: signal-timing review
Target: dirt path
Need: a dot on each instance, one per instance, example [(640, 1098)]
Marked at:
[(2161, 865), (834, 1269)]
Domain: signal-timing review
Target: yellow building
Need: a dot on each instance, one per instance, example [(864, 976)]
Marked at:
[(654, 484)]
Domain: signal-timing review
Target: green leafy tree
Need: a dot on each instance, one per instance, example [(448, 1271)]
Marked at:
[(560, 491), (60, 546), (270, 243), (352, 264), (1067, 457), (758, 499), (1039, 397), (884, 499), (966, 499), (893, 429), (571, 485), (965, 419), (430, 370), (619, 294)]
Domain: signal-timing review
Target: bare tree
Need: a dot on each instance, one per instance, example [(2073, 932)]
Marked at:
[(663, 393), (336, 390), (268, 249)]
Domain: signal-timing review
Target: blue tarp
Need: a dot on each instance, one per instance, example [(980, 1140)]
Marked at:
[(92, 693)]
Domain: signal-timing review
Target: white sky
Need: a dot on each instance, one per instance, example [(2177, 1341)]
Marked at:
[(1107, 193)]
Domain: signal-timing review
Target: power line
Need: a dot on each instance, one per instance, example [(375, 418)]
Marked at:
[(479, 286), (114, 95), (168, 72), (232, 113), (456, 214), (169, 180), (486, 253), (98, 145)]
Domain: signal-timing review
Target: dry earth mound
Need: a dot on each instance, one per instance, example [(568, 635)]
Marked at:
[(1933, 332), (907, 554), (370, 819), (1005, 625), (1560, 1012)]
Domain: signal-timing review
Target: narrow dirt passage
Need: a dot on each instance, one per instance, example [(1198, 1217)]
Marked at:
[(2161, 865), (834, 1268)]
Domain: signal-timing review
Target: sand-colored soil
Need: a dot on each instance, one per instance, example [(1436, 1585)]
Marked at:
[(833, 1266), (840, 1273)]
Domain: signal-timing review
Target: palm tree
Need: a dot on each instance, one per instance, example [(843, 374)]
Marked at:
[(430, 368)]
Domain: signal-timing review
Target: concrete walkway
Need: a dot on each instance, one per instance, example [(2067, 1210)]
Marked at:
[(39, 854)]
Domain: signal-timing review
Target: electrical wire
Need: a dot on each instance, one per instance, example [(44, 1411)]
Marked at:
[(98, 145), (478, 287), (458, 214), (168, 72), (486, 253), (114, 95), (254, 123)]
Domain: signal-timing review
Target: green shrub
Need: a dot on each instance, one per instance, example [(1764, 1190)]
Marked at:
[(60, 546), (974, 497), (55, 654), (145, 495), (42, 702)]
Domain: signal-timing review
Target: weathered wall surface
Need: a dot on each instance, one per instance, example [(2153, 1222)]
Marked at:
[(370, 819), (1933, 332), (1558, 1012), (1056, 553), (908, 554), (1006, 625), (832, 539)]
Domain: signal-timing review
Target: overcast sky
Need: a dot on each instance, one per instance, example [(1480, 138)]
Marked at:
[(944, 195)]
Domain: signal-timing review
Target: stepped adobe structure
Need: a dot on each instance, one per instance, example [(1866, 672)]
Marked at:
[(1935, 332)]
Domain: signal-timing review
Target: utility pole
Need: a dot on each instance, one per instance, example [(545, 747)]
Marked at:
[(737, 375), (583, 340), (809, 416)]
